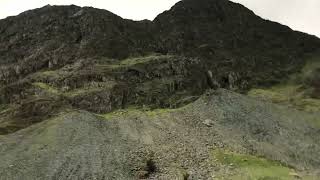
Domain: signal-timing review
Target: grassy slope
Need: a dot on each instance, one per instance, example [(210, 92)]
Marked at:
[(288, 94), (294, 92), (250, 167)]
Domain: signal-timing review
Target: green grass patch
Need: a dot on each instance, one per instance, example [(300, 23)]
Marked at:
[(46, 87), (49, 73), (74, 92), (288, 94), (93, 87), (252, 167), (267, 94), (141, 60), (46, 74), (3, 108), (158, 112), (121, 113), (277, 94), (136, 112), (307, 104), (295, 92), (82, 91), (315, 122), (131, 62)]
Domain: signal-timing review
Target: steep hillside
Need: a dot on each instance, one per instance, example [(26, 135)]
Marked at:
[(86, 94), (301, 91), (54, 36), (224, 35), (232, 40), (91, 59)]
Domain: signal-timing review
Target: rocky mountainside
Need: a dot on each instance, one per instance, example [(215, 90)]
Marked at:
[(218, 31), (86, 62), (94, 60)]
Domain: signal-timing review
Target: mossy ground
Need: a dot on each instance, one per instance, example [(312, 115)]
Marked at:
[(248, 167), (73, 93), (140, 60), (82, 91), (49, 73), (129, 62), (46, 75), (288, 94), (46, 87), (293, 92), (3, 107), (136, 111)]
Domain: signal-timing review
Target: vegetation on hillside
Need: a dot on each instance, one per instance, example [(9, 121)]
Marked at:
[(300, 91)]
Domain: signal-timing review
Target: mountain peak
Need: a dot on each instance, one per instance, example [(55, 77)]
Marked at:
[(223, 8)]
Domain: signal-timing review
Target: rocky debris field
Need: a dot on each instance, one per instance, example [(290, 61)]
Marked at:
[(184, 143)]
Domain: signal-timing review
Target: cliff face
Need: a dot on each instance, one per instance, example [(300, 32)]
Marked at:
[(91, 59)]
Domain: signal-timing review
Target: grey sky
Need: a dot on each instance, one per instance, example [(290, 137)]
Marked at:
[(302, 15)]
